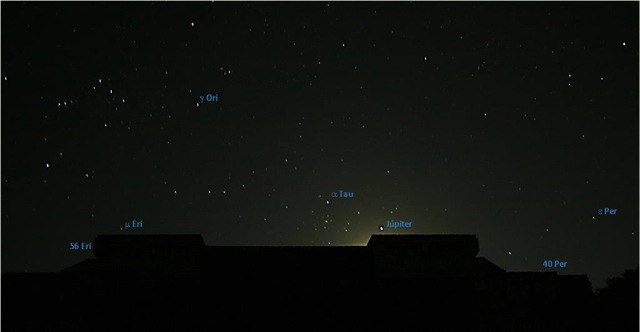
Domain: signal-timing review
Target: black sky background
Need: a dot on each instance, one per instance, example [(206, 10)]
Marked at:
[(513, 121)]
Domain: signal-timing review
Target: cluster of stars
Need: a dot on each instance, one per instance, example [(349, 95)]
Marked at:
[(296, 72)]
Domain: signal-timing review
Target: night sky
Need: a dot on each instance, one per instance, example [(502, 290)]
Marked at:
[(240, 121)]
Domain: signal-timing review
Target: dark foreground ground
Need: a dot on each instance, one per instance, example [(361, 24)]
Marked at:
[(395, 283)]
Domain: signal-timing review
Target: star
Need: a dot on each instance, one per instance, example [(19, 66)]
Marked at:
[(223, 142)]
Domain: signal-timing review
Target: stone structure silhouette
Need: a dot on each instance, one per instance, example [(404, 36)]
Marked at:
[(395, 283)]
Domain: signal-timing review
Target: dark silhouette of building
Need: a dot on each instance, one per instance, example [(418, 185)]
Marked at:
[(395, 283), (617, 304)]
